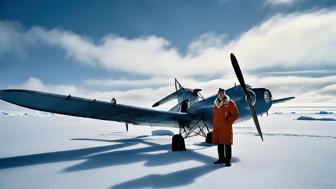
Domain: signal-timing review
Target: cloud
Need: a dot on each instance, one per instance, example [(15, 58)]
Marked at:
[(138, 97), (309, 91), (282, 46), (280, 2), (149, 92), (143, 92), (295, 41), (298, 40), (125, 84), (292, 84), (12, 38), (206, 41)]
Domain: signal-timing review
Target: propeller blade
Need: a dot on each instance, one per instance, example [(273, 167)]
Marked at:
[(248, 96), (238, 73), (255, 118)]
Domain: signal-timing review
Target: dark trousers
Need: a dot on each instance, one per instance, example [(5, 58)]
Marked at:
[(228, 152)]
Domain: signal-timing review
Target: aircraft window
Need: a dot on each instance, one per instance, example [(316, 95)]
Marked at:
[(184, 106)]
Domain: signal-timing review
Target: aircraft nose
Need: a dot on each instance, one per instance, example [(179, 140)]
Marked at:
[(268, 96)]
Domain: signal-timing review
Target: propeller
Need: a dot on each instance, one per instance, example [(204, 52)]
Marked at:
[(248, 96)]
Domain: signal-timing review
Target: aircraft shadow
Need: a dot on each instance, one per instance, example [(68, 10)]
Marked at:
[(163, 156), (174, 179), (152, 154), (54, 157), (148, 154)]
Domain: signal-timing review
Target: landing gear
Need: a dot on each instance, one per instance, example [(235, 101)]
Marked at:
[(195, 128), (178, 143), (208, 138)]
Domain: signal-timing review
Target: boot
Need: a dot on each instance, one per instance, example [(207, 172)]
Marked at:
[(219, 161), (228, 154), (221, 157)]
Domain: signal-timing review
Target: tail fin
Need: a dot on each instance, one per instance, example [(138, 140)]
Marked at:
[(178, 87), (183, 95), (276, 101)]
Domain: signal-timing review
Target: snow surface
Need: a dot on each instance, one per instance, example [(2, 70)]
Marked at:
[(67, 152)]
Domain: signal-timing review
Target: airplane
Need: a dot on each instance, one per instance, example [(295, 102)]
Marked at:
[(193, 114)]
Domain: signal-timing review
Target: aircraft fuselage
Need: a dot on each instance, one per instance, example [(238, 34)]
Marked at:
[(262, 98)]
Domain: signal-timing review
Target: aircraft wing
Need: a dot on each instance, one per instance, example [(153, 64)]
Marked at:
[(81, 107)]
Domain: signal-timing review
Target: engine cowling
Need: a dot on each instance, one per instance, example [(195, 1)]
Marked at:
[(252, 95)]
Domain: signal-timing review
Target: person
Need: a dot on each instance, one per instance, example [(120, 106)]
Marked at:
[(225, 114)]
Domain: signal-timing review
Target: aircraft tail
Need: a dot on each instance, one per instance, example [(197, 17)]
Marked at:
[(184, 98), (179, 87), (276, 101)]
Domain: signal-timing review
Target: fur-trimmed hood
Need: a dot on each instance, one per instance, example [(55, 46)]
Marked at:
[(220, 104)]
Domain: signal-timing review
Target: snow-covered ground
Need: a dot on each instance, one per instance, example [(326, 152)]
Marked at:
[(51, 151)]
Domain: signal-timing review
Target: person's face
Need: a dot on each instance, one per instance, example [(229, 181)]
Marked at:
[(220, 96)]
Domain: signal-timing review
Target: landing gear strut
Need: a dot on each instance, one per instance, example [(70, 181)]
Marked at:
[(195, 128)]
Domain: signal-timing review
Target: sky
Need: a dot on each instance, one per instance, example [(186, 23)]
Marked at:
[(133, 49)]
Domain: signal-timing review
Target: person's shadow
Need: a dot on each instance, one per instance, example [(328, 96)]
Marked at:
[(152, 154)]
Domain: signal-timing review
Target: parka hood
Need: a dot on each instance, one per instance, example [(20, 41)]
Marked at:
[(220, 104)]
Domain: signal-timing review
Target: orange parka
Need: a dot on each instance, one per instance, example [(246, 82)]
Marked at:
[(224, 117)]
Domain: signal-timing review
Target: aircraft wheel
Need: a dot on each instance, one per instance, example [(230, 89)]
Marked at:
[(208, 138), (178, 143)]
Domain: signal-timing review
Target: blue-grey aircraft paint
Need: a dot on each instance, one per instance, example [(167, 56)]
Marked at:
[(91, 108)]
